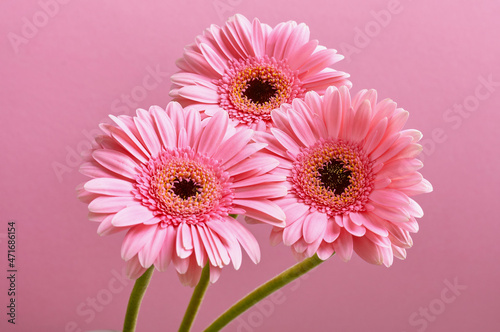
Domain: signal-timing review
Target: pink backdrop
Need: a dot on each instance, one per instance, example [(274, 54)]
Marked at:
[(65, 65)]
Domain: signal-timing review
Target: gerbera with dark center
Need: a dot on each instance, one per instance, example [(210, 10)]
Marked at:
[(351, 171), (172, 182), (249, 69)]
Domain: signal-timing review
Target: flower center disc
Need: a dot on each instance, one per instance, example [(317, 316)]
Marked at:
[(185, 188), (181, 185), (250, 89), (259, 92), (333, 176)]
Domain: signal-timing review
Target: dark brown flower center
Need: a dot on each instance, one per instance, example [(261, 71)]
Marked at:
[(259, 92), (185, 188), (334, 176)]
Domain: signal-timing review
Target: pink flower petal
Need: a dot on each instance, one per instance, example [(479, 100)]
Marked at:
[(246, 152), (132, 215), (374, 224), (325, 250), (221, 249), (258, 38), (314, 226), (176, 115), (414, 209), (332, 231), (109, 186), (213, 59), (280, 120), (266, 179), (261, 191), (410, 151), (285, 140), (362, 121), (301, 129), (408, 180), (395, 149), (263, 210), (242, 28), (180, 249), (181, 264), (213, 133), (199, 93), (381, 241), (313, 247), (301, 246), (392, 214), (421, 188), (192, 275), (166, 128), (384, 145), (230, 242), (148, 136), (91, 169), (149, 253), (399, 252), (199, 248), (210, 250), (302, 54), (293, 233), (368, 251), (375, 135), (344, 246), (339, 220), (299, 36), (400, 167), (198, 64), (116, 162), (294, 211), (352, 228), (254, 166), (277, 39), (276, 236), (105, 204), (333, 111), (107, 228), (183, 79), (322, 80), (167, 250), (220, 41), (389, 197), (187, 241), (214, 273), (319, 60), (246, 239), (233, 145), (398, 121), (415, 135), (134, 269), (129, 141)]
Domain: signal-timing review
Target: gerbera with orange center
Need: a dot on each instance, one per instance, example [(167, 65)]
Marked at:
[(249, 69), (351, 170), (172, 182)]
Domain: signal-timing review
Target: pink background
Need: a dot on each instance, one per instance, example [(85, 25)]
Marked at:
[(71, 71)]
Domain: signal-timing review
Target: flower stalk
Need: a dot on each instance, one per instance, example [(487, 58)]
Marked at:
[(196, 300), (263, 291), (134, 303)]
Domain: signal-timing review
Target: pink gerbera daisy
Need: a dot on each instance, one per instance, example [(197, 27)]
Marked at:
[(171, 181), (249, 69), (351, 170)]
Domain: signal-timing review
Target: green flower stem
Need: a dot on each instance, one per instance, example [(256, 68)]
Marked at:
[(263, 291), (134, 303), (196, 299)]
